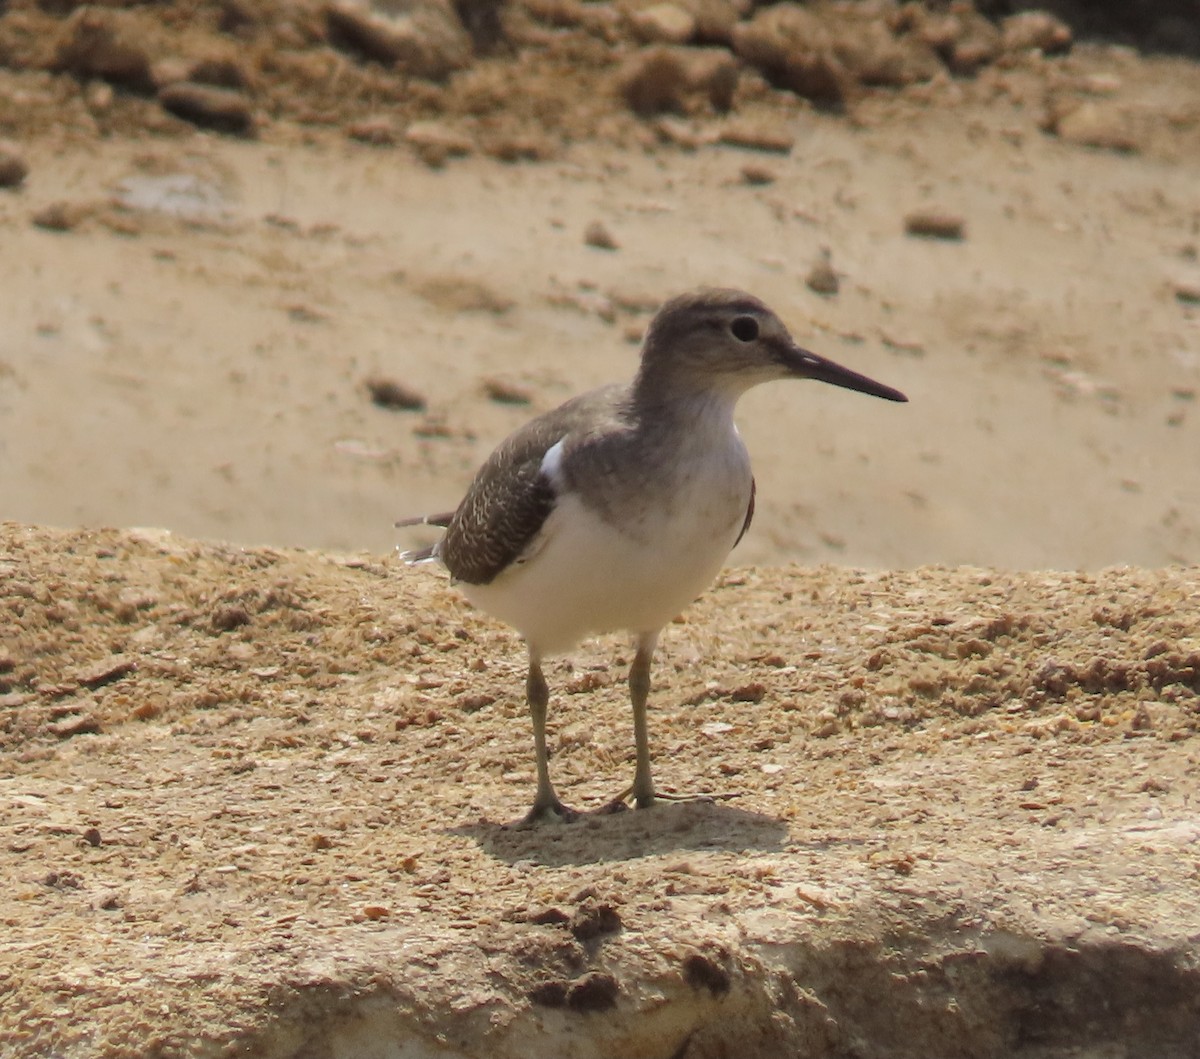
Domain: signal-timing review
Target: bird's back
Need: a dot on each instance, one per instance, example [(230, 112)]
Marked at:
[(511, 496)]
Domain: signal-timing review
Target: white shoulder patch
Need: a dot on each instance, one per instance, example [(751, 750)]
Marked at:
[(552, 462)]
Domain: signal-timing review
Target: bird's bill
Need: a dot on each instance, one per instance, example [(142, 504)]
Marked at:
[(813, 366)]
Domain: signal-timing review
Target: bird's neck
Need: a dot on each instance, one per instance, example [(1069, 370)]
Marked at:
[(682, 396), (687, 413)]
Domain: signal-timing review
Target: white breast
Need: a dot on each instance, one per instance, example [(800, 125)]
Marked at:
[(588, 575)]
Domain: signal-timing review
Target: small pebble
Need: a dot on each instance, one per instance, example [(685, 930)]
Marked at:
[(1027, 30), (435, 142), (388, 393), (663, 24), (220, 109), (758, 137), (597, 234), (1100, 124), (506, 392), (821, 277), (378, 132), (61, 216), (13, 168), (935, 224), (594, 991), (1188, 293), (757, 175)]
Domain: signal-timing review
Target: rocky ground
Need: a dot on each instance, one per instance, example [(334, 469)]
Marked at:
[(263, 803), (280, 273)]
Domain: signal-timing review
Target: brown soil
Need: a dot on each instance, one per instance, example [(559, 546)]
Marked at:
[(263, 288), (260, 803)]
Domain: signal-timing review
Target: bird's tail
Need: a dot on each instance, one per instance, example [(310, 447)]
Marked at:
[(420, 555), (428, 554)]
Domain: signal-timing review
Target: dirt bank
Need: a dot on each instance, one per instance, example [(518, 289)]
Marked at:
[(258, 803), (279, 273), (194, 318)]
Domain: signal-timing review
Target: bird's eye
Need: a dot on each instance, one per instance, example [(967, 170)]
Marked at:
[(744, 328)]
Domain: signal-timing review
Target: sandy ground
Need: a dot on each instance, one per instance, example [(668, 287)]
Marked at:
[(258, 801), (206, 372), (261, 803)]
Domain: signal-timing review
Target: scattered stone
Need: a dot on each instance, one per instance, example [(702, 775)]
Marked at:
[(1028, 30), (13, 168), (757, 175), (758, 136), (1099, 84), (965, 40), (219, 109), (550, 916), (62, 216), (223, 72), (701, 972), (873, 55), (506, 392), (715, 19), (1188, 292), (677, 79), (62, 880), (593, 918), (170, 71), (303, 313), (595, 991), (1098, 124), (552, 994), (101, 42), (92, 837), (83, 724), (144, 711), (435, 142), (821, 277), (520, 147), (378, 131), (754, 691), (230, 617), (426, 40), (389, 393), (461, 294), (681, 133), (107, 672), (597, 234), (598, 20), (663, 23), (792, 48), (935, 224)]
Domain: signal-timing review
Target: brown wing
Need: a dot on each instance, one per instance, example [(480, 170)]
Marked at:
[(510, 498), (749, 514)]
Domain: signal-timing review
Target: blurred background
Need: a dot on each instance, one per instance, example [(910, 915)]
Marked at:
[(283, 274)]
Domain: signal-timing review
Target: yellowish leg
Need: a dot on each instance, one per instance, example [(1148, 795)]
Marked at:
[(537, 694), (642, 792)]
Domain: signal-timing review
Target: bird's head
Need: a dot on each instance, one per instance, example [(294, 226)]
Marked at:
[(726, 341)]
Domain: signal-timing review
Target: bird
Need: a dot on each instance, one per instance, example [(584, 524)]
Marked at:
[(616, 510)]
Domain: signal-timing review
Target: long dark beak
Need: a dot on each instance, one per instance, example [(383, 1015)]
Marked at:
[(812, 366)]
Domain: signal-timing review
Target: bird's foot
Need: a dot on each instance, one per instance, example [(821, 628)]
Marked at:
[(549, 809), (632, 798)]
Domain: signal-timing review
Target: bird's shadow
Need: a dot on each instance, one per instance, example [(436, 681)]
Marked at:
[(600, 837)]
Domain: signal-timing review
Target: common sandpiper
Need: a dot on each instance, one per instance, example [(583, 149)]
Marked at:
[(617, 509)]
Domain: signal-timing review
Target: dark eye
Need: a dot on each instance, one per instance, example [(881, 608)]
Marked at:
[(744, 328)]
